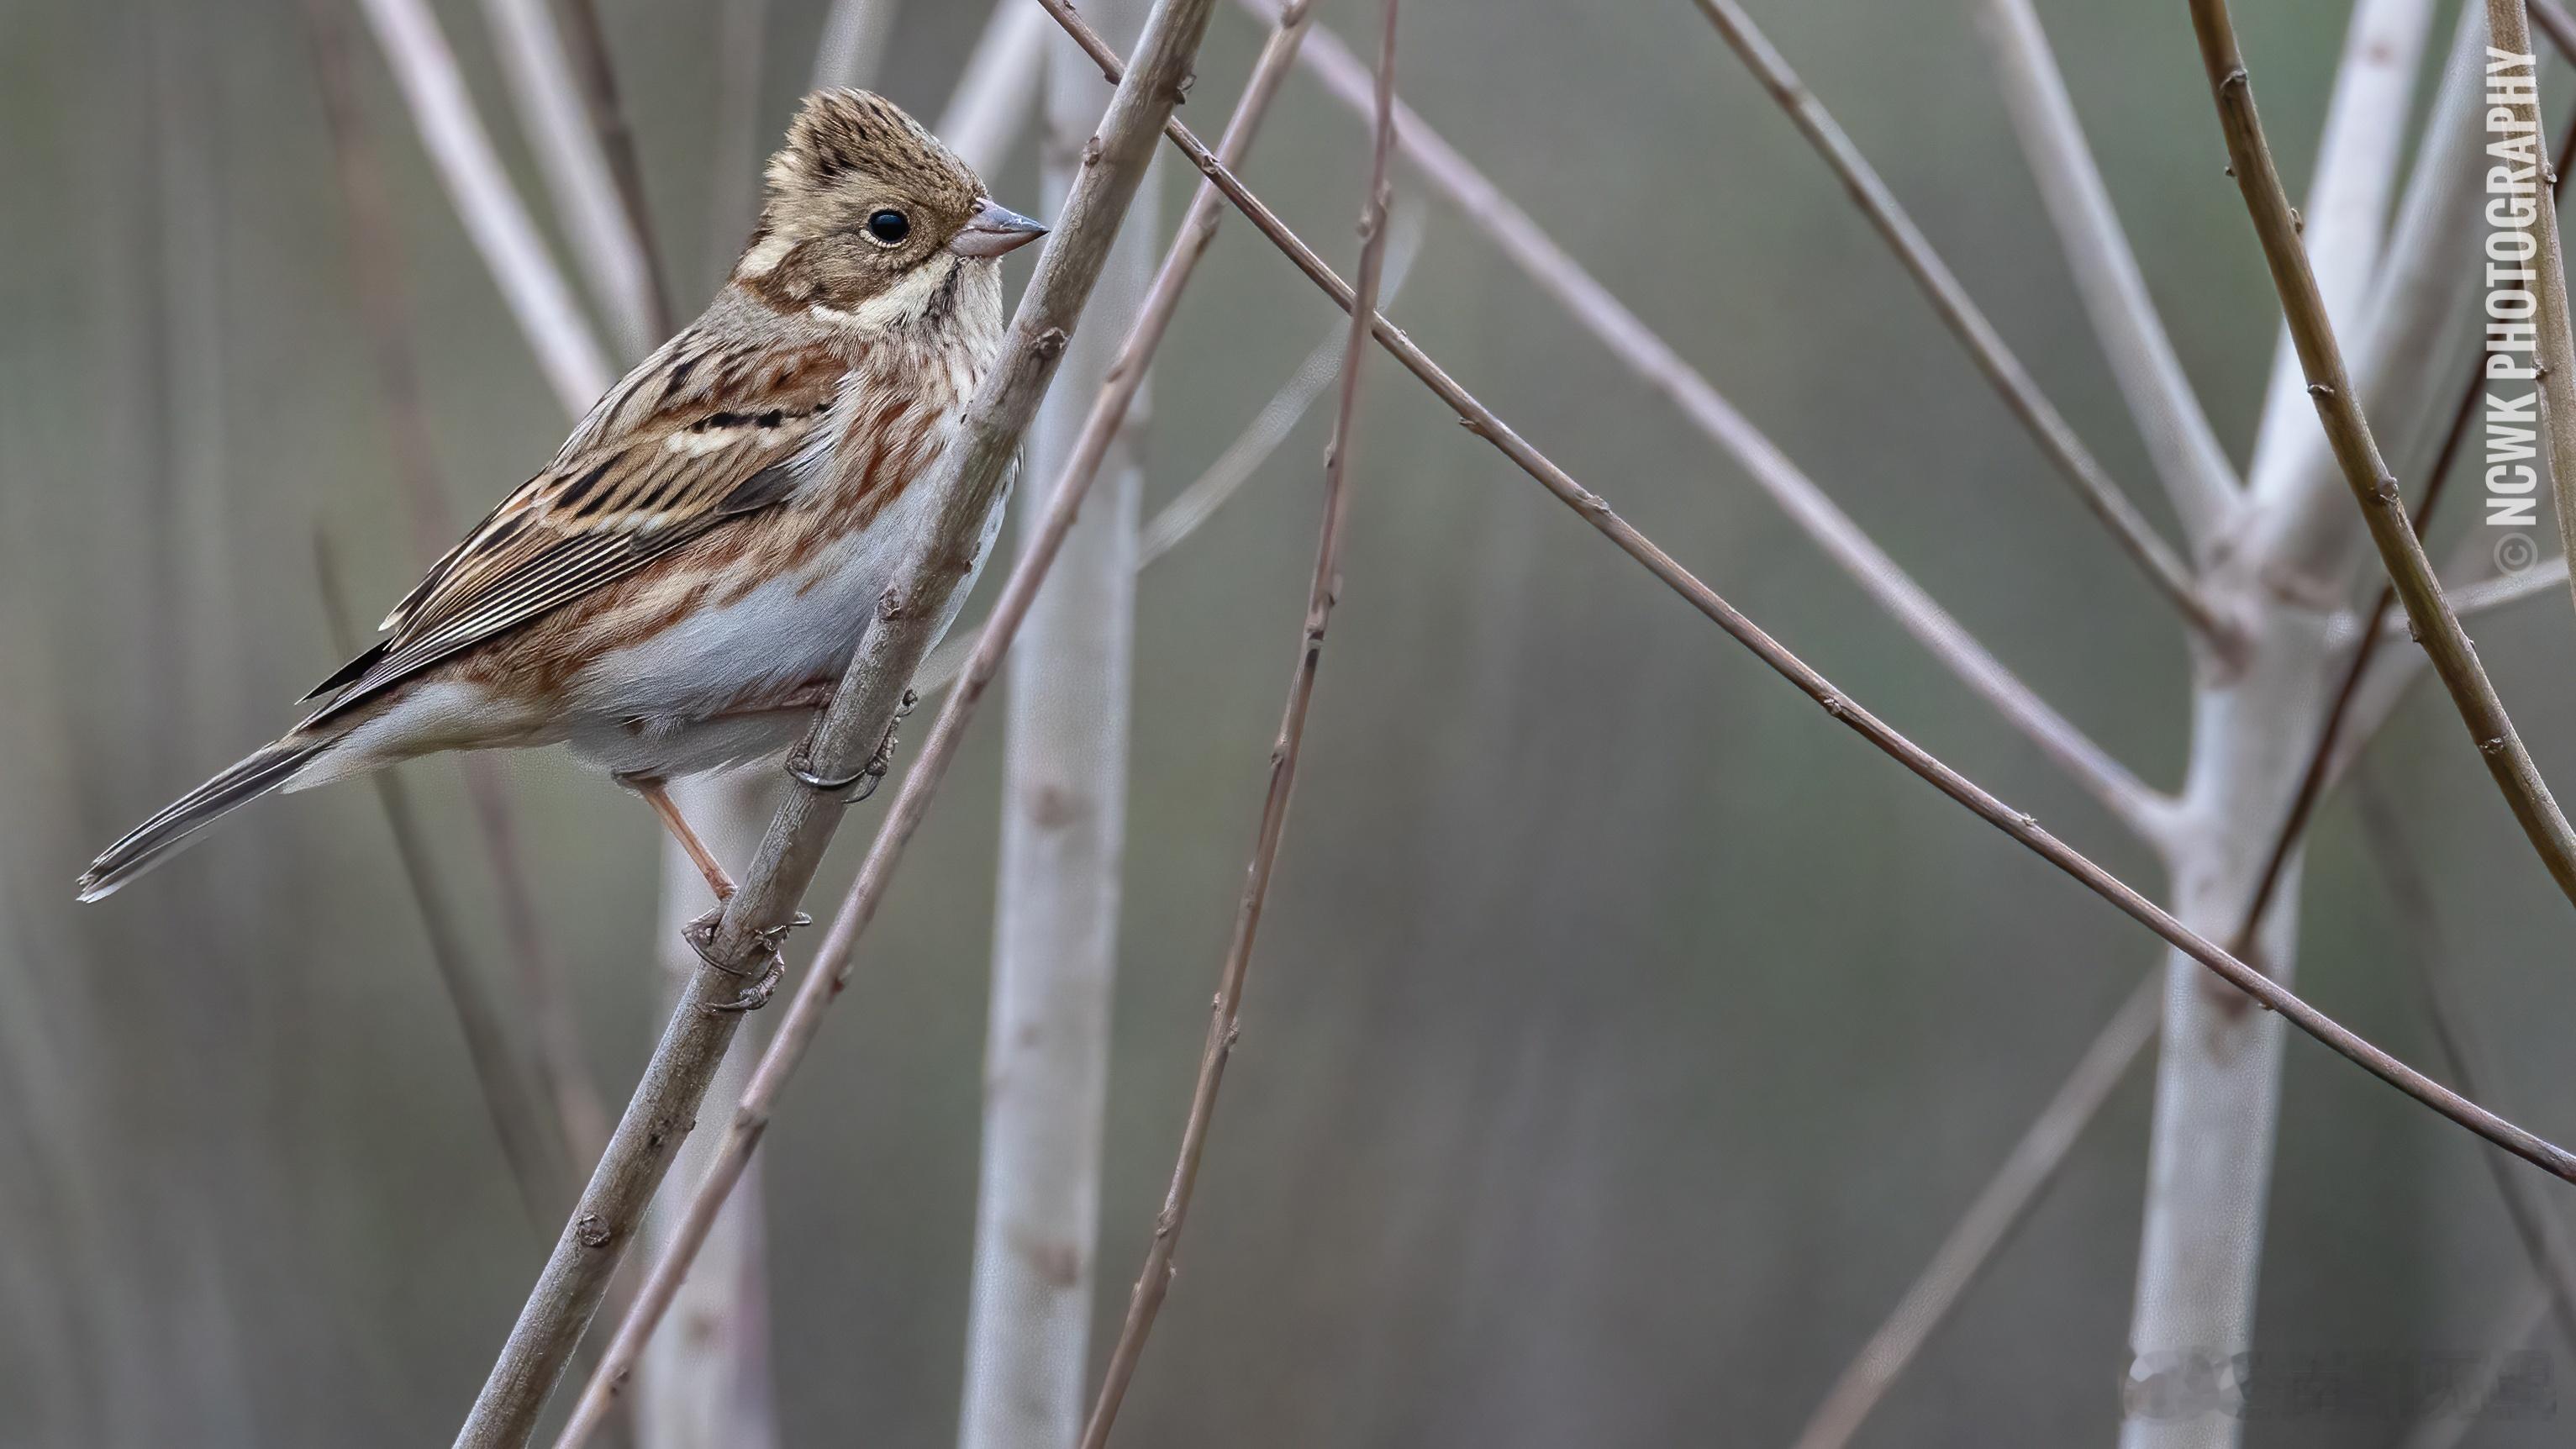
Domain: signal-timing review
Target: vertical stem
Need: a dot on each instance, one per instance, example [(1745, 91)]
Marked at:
[(1064, 796)]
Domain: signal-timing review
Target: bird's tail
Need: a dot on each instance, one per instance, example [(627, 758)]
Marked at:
[(158, 838)]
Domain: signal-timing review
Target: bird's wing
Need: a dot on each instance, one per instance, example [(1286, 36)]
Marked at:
[(698, 435)]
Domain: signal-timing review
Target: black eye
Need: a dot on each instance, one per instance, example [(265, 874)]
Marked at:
[(889, 227)]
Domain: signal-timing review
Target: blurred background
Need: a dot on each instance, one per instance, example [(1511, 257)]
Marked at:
[(1623, 1035)]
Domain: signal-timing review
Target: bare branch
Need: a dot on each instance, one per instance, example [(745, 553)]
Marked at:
[(1596, 511), (991, 103), (2419, 317), (480, 189), (1959, 312), (2136, 805), (2383, 505), (2324, 759), (966, 482), (2345, 220), (2179, 439), (1066, 720), (1989, 1221), (556, 121)]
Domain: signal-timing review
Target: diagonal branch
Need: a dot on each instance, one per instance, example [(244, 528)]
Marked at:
[(2141, 808), (2383, 505), (461, 149), (2180, 442), (1596, 511), (1959, 312), (1154, 1280), (1947, 1274), (2345, 221), (967, 481)]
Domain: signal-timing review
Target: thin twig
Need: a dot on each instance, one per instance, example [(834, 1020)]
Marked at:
[(1596, 511), (1959, 312), (1154, 1280), (2141, 808), (1991, 1219), (2410, 900), (2322, 759), (556, 119), (967, 481), (443, 112), (2180, 442), (2383, 505), (2344, 224), (2509, 28)]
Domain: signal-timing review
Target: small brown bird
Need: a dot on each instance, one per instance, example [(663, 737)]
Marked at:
[(681, 587)]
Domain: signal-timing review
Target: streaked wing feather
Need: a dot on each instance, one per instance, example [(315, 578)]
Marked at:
[(626, 490)]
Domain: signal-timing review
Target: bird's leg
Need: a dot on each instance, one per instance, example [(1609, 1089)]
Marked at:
[(868, 776), (659, 797)]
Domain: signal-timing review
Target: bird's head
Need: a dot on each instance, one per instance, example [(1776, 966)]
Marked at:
[(869, 221)]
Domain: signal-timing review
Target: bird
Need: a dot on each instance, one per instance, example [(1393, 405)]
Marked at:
[(679, 590)]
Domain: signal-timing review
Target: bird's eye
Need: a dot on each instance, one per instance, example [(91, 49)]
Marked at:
[(889, 227)]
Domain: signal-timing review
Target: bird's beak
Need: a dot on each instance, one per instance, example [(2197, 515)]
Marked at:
[(993, 230)]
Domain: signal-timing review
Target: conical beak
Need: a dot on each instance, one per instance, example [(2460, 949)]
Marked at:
[(993, 230)]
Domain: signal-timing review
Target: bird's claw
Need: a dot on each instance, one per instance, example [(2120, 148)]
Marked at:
[(701, 936), (756, 995), (863, 781)]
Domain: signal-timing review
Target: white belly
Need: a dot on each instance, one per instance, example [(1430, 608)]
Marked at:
[(670, 706)]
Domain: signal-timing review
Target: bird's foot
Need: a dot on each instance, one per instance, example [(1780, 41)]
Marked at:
[(764, 979), (863, 781)]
